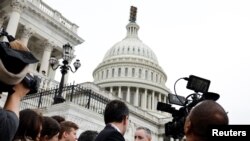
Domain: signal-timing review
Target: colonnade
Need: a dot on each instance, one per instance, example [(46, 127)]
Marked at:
[(144, 98)]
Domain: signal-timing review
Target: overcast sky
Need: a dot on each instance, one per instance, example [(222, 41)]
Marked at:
[(204, 38)]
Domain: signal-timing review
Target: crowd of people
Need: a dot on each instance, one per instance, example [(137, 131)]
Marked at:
[(31, 125)]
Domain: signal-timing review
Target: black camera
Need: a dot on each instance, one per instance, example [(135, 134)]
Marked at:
[(175, 128), (14, 65), (32, 82), (29, 81)]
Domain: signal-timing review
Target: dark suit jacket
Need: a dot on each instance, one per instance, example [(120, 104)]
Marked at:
[(109, 133)]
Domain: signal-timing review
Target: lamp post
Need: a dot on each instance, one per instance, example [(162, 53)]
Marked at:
[(67, 56)]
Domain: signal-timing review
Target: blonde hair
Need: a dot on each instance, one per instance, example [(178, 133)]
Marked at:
[(18, 45)]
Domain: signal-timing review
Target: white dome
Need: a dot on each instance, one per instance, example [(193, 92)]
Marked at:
[(131, 46), (130, 71)]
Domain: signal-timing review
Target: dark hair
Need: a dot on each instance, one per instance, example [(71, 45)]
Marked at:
[(115, 111), (58, 118), (30, 123), (66, 126), (205, 114), (50, 127), (88, 135)]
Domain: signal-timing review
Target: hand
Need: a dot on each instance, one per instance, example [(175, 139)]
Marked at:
[(20, 89)]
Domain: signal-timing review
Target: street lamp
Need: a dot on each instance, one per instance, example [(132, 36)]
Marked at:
[(67, 56)]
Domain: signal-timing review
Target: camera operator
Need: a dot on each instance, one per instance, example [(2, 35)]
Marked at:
[(204, 114), (15, 78), (10, 113)]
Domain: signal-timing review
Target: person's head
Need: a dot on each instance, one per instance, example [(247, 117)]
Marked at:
[(88, 135), (58, 118), (30, 125), (51, 129), (142, 134), (68, 131), (117, 111), (205, 114)]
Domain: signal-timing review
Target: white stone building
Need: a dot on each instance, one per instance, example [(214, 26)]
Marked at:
[(43, 29), (129, 70)]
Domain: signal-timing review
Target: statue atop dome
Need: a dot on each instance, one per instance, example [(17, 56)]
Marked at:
[(133, 11)]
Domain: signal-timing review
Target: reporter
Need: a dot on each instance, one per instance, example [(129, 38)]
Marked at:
[(15, 59)]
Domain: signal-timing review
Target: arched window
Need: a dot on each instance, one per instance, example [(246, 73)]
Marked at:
[(113, 72), (146, 74), (152, 76), (139, 73), (107, 73), (119, 72), (133, 72)]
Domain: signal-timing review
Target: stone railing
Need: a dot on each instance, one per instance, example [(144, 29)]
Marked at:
[(54, 14)]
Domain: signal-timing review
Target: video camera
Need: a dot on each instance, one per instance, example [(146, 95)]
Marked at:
[(14, 67), (175, 128)]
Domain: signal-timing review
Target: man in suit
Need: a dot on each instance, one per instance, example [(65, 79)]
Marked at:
[(116, 119)]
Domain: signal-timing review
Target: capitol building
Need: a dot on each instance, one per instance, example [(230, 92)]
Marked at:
[(129, 71)]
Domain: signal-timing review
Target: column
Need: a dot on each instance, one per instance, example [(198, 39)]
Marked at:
[(159, 97), (153, 101), (17, 7), (144, 99), (136, 97), (27, 32), (1, 23), (165, 98), (111, 90), (46, 56), (149, 101), (160, 138), (128, 95), (2, 18), (120, 92)]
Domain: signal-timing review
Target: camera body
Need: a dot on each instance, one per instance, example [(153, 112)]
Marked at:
[(14, 63), (175, 128), (29, 81)]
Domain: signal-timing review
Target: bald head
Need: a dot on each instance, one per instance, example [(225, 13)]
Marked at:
[(203, 115)]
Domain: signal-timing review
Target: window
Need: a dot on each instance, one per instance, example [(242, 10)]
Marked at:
[(113, 72), (107, 73), (152, 76), (119, 71), (133, 72), (146, 74)]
